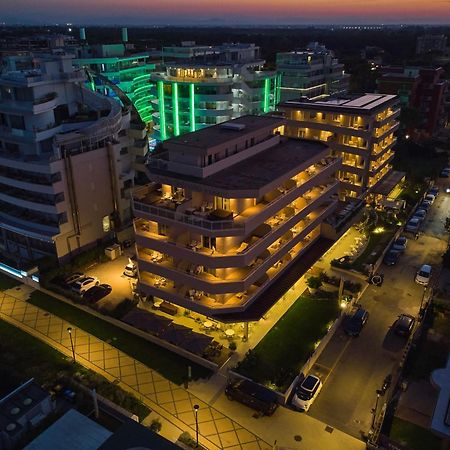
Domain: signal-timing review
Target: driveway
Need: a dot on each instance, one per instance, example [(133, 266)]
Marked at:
[(354, 368)]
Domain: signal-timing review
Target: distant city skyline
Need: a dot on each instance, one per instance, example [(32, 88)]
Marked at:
[(238, 12)]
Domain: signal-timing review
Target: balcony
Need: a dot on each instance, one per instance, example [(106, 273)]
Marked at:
[(186, 247), (382, 118), (378, 165), (381, 133)]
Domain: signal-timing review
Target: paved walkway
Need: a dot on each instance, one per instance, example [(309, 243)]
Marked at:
[(170, 401)]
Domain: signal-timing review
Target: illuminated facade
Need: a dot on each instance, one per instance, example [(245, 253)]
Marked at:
[(360, 130), (203, 86), (228, 211), (129, 73), (65, 181), (313, 73)]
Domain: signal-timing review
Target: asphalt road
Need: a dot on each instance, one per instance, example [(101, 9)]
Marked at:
[(354, 368)]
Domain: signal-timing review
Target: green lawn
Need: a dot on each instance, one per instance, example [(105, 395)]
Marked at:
[(278, 358), (168, 364), (24, 357), (413, 436), (7, 282)]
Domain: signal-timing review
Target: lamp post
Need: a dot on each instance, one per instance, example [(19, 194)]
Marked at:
[(375, 409), (69, 329), (196, 408)]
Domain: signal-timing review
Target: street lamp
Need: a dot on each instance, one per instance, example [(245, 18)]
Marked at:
[(69, 329), (376, 408), (196, 408)]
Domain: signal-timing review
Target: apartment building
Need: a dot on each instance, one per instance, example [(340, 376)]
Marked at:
[(422, 92), (313, 73), (202, 86), (229, 209), (360, 130), (65, 172), (429, 43)]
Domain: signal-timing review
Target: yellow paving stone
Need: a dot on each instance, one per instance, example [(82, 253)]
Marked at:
[(111, 362), (251, 446), (162, 386), (180, 394), (216, 414), (187, 417), (234, 447), (131, 380), (229, 438), (207, 428), (245, 435), (205, 415), (170, 407), (215, 440), (183, 406), (114, 371), (146, 388), (95, 356), (140, 368), (164, 397), (82, 349), (127, 370), (224, 425)]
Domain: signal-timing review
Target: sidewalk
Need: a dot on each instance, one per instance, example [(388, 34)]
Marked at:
[(169, 401)]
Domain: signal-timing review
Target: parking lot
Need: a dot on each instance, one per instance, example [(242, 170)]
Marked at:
[(354, 368)]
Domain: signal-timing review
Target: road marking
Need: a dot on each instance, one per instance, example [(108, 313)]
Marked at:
[(337, 359)]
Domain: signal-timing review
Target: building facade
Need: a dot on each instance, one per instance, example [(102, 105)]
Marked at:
[(422, 92), (429, 43), (202, 86), (313, 73), (65, 170), (229, 209), (360, 130)]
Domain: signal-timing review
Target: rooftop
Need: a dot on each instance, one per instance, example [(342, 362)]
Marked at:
[(366, 103), (260, 171), (222, 133)]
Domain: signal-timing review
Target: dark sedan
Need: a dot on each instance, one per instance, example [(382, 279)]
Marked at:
[(391, 257), (354, 324), (96, 293)]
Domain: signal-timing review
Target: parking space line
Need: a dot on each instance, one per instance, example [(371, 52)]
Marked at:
[(338, 359)]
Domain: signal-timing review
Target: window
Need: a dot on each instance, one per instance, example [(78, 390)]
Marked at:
[(163, 230), (124, 150), (17, 122), (222, 203), (208, 242)]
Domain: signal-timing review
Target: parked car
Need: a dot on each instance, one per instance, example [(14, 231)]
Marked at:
[(82, 285), (444, 173), (254, 395), (391, 257), (413, 225), (306, 392), (420, 213), (423, 275), (73, 277), (96, 293), (434, 191), (400, 244), (424, 205), (355, 323), (430, 198), (130, 270), (404, 324)]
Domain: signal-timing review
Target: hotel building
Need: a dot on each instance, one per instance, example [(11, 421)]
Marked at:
[(360, 130), (65, 171), (202, 86), (314, 73), (229, 210)]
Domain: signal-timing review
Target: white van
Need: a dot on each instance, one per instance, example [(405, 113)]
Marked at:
[(423, 275)]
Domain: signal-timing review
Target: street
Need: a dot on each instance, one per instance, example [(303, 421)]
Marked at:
[(354, 368)]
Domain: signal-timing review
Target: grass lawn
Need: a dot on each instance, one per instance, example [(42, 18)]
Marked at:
[(413, 436), (166, 363), (278, 358), (7, 282), (25, 357)]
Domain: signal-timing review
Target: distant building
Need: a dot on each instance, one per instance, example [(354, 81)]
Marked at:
[(21, 411), (229, 210), (422, 92), (65, 170), (359, 129), (429, 43), (313, 73), (200, 86)]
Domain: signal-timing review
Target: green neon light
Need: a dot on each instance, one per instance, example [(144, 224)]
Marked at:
[(192, 106), (266, 94), (176, 121), (162, 112)]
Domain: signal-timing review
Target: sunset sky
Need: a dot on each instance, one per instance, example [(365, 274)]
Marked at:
[(142, 12)]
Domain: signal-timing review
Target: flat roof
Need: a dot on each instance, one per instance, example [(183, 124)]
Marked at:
[(260, 171), (220, 134), (72, 431), (365, 103), (389, 183)]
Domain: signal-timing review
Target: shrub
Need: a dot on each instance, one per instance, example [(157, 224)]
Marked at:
[(232, 346), (156, 425), (314, 282)]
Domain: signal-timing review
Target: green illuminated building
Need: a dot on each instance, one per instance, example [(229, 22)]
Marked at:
[(203, 86)]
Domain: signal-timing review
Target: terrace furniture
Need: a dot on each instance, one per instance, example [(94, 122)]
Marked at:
[(168, 308)]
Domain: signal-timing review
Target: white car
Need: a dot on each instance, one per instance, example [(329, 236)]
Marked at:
[(306, 392), (423, 275), (82, 285), (430, 198)]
